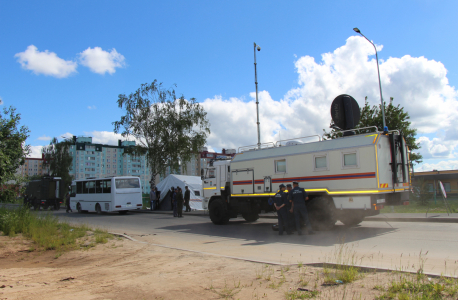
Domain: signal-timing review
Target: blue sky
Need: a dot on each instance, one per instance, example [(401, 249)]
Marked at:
[(206, 48)]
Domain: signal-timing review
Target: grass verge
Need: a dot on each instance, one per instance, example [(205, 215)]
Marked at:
[(47, 232), (437, 206)]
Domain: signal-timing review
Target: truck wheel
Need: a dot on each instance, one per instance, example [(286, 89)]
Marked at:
[(218, 212), (351, 220), (78, 208), (98, 209), (250, 217), (45, 207), (321, 211), (57, 206)]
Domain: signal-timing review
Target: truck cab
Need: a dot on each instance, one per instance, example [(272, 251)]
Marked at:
[(216, 181)]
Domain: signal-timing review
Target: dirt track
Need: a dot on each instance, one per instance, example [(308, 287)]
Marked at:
[(123, 269)]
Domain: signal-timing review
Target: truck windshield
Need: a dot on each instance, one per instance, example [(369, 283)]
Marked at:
[(210, 173)]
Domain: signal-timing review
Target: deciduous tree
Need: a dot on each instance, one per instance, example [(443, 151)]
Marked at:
[(58, 160), (13, 149), (167, 129)]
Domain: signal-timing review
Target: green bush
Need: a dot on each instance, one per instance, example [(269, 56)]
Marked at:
[(45, 230)]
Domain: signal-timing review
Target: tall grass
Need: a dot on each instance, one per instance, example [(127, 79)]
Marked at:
[(45, 230)]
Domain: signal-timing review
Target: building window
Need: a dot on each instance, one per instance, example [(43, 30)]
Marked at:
[(280, 166), (447, 187)]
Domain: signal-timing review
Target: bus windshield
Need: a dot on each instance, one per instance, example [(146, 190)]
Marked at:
[(128, 183)]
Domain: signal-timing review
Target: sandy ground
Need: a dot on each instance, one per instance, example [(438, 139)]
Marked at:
[(123, 269)]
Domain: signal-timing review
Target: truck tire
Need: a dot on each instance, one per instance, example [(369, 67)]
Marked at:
[(57, 206), (219, 213), (351, 220), (321, 212), (250, 217)]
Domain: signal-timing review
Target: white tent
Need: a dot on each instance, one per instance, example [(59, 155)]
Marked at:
[(194, 183)]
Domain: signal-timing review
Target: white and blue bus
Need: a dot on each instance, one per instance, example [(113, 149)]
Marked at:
[(119, 194)]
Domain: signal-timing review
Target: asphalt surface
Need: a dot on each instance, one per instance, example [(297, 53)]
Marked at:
[(387, 245)]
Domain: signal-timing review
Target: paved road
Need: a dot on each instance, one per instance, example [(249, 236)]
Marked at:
[(391, 245)]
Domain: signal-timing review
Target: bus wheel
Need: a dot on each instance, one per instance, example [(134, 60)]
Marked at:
[(98, 209), (123, 212), (321, 212), (218, 212), (250, 217), (78, 208)]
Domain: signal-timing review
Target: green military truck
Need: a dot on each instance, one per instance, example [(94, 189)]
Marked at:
[(47, 192)]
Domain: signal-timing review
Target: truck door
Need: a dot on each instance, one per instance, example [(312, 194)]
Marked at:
[(210, 182), (267, 184), (57, 189), (399, 164), (222, 176), (242, 181)]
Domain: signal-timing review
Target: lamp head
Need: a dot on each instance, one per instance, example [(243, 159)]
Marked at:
[(259, 48), (357, 30)]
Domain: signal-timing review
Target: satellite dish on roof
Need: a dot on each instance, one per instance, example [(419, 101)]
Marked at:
[(345, 112)]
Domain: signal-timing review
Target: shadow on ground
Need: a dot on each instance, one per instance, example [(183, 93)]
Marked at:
[(261, 233), (252, 234)]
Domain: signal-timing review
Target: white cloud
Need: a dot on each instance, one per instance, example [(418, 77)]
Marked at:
[(47, 63), (100, 61), (66, 135), (35, 151), (92, 107), (440, 166), (104, 137), (416, 83), (44, 138)]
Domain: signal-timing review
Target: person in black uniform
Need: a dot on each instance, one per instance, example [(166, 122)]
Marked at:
[(292, 223), (179, 202), (187, 197), (280, 203), (298, 207)]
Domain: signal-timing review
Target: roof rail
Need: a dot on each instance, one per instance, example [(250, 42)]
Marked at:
[(394, 131), (303, 137), (255, 147), (355, 129)]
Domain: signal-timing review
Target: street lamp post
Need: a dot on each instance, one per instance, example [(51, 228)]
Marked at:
[(257, 102), (379, 82)]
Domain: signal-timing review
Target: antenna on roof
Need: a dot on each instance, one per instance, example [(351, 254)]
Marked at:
[(345, 113)]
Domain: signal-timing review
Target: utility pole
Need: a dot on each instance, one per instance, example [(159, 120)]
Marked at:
[(257, 101)]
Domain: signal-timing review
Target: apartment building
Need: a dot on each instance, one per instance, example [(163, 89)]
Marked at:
[(100, 160), (32, 166)]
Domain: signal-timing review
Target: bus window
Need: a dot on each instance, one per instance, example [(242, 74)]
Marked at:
[(91, 187), (130, 183), (79, 187), (106, 186), (85, 186), (98, 187)]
